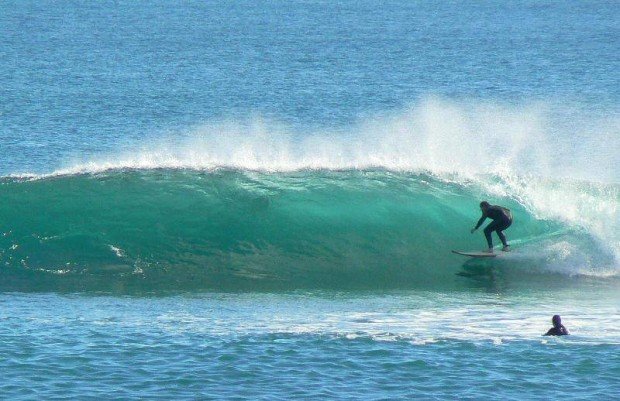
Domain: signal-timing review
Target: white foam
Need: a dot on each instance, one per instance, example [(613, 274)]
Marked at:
[(583, 205), (117, 251)]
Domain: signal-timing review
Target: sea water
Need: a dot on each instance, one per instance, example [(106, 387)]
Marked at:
[(257, 200)]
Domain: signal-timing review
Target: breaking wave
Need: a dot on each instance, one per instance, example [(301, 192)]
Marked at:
[(242, 205)]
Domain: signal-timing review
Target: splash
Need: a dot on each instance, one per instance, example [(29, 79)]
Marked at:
[(435, 135)]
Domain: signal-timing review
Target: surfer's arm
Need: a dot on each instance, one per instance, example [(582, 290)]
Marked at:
[(482, 219)]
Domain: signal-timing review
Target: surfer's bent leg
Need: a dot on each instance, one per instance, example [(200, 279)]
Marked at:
[(499, 226), (487, 232), (500, 231)]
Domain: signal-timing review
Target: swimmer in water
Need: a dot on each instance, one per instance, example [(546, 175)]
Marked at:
[(558, 328)]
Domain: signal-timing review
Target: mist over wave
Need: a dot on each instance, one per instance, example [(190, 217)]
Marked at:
[(436, 135)]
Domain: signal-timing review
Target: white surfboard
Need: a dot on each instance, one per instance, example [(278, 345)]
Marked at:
[(475, 254)]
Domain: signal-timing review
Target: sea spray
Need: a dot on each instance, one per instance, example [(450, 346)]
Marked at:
[(466, 137)]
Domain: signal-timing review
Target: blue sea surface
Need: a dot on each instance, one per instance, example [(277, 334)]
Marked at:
[(258, 199)]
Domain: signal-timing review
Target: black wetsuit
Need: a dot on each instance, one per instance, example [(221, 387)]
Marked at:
[(557, 331), (502, 219)]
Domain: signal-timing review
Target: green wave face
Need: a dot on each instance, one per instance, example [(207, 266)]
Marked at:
[(154, 230)]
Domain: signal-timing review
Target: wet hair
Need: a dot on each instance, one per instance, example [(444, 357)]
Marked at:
[(556, 320), (484, 204)]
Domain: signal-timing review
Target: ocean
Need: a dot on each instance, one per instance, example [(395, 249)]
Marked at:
[(258, 200)]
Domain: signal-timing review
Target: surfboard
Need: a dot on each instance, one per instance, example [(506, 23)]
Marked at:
[(475, 254)]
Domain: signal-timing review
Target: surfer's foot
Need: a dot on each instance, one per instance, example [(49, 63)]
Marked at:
[(490, 250), (506, 248)]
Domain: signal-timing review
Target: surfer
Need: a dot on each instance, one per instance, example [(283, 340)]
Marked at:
[(558, 328), (502, 219)]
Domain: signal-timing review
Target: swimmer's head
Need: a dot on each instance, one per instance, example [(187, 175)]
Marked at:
[(484, 205), (557, 321)]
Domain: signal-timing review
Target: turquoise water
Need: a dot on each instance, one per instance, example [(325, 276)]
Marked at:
[(257, 200), (150, 230)]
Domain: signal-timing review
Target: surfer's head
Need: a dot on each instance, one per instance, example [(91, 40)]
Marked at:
[(556, 320), (484, 205)]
